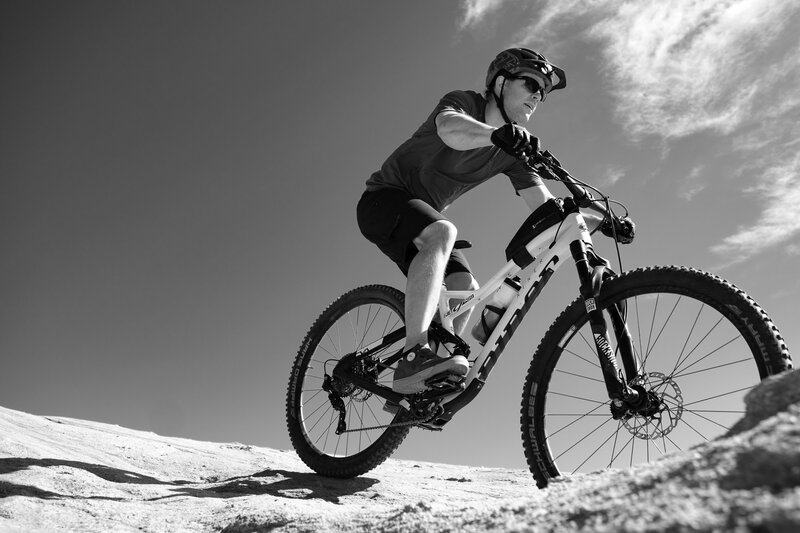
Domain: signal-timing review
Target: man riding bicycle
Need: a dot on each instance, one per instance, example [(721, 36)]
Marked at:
[(467, 139)]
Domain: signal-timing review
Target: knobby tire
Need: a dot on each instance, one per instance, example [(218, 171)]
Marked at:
[(702, 344), (350, 323)]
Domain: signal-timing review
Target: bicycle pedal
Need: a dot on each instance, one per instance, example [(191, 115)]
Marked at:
[(445, 380)]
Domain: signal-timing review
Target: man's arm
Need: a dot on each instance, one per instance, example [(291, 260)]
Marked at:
[(535, 196), (462, 132)]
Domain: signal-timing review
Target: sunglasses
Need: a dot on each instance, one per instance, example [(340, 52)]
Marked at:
[(533, 86)]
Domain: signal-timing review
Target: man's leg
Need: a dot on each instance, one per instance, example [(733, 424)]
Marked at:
[(425, 277)]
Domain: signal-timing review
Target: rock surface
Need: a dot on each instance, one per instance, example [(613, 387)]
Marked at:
[(61, 474)]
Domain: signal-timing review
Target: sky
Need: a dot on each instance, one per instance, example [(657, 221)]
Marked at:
[(178, 183)]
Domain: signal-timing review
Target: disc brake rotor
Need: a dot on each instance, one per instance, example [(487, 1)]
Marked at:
[(663, 410)]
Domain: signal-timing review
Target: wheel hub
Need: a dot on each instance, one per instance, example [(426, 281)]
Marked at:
[(661, 411)]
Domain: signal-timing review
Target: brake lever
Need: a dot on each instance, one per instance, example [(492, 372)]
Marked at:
[(548, 157), (544, 164)]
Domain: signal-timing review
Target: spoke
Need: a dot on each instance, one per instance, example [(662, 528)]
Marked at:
[(367, 325), (386, 325), (349, 425), (673, 443), (578, 398), (350, 404), (712, 368), (695, 413), (312, 397), (663, 327), (593, 363), (577, 420), (712, 352), (338, 345), (361, 433), (577, 414), (354, 327), (591, 346), (718, 396), (333, 355), (639, 331), (691, 331), (311, 429), (377, 420), (621, 450), (694, 429), (696, 346), (595, 451), (717, 411), (583, 439), (653, 441), (580, 376), (614, 447), (652, 324), (328, 431)]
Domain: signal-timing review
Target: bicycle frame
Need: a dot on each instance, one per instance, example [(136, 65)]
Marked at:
[(544, 252), (548, 249)]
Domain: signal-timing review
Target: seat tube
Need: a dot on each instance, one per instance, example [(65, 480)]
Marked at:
[(608, 362)]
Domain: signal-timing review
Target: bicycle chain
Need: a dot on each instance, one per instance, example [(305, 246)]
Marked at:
[(412, 422)]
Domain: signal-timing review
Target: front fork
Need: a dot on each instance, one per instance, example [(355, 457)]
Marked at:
[(590, 272)]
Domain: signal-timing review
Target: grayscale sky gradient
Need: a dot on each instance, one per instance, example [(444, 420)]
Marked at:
[(178, 183)]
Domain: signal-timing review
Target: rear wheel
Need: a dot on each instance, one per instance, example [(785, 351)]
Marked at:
[(354, 321), (700, 344)]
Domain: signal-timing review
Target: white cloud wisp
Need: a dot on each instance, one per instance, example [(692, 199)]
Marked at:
[(682, 67)]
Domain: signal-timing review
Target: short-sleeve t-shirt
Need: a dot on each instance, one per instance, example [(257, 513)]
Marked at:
[(430, 170)]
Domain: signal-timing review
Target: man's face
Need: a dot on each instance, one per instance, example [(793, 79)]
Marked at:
[(520, 102)]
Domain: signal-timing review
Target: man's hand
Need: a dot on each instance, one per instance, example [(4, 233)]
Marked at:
[(515, 140)]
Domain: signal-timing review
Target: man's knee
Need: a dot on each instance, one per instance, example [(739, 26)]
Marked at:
[(441, 233), (461, 281)]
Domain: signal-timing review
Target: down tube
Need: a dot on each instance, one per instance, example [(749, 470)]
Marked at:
[(547, 250), (477, 378)]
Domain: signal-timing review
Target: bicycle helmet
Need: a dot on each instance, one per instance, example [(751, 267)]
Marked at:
[(515, 61)]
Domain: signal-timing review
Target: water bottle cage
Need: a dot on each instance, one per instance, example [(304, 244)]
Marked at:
[(496, 310)]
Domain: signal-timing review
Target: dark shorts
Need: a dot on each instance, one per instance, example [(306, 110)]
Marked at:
[(392, 219)]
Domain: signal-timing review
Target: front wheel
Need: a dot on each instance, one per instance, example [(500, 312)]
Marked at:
[(316, 402), (700, 345)]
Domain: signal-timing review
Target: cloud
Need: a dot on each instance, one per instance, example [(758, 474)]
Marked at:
[(613, 175), (476, 10), (779, 189), (683, 67), (692, 184)]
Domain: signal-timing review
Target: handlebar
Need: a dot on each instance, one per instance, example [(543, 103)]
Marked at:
[(547, 162), (621, 229)]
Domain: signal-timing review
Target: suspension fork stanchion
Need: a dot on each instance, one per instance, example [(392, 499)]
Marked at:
[(625, 346), (618, 391)]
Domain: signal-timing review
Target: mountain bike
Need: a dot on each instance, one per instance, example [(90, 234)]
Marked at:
[(639, 365)]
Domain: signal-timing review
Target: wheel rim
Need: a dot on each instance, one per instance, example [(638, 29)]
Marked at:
[(695, 368), (352, 329)]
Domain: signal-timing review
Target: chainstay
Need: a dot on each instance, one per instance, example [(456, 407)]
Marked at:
[(413, 422)]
